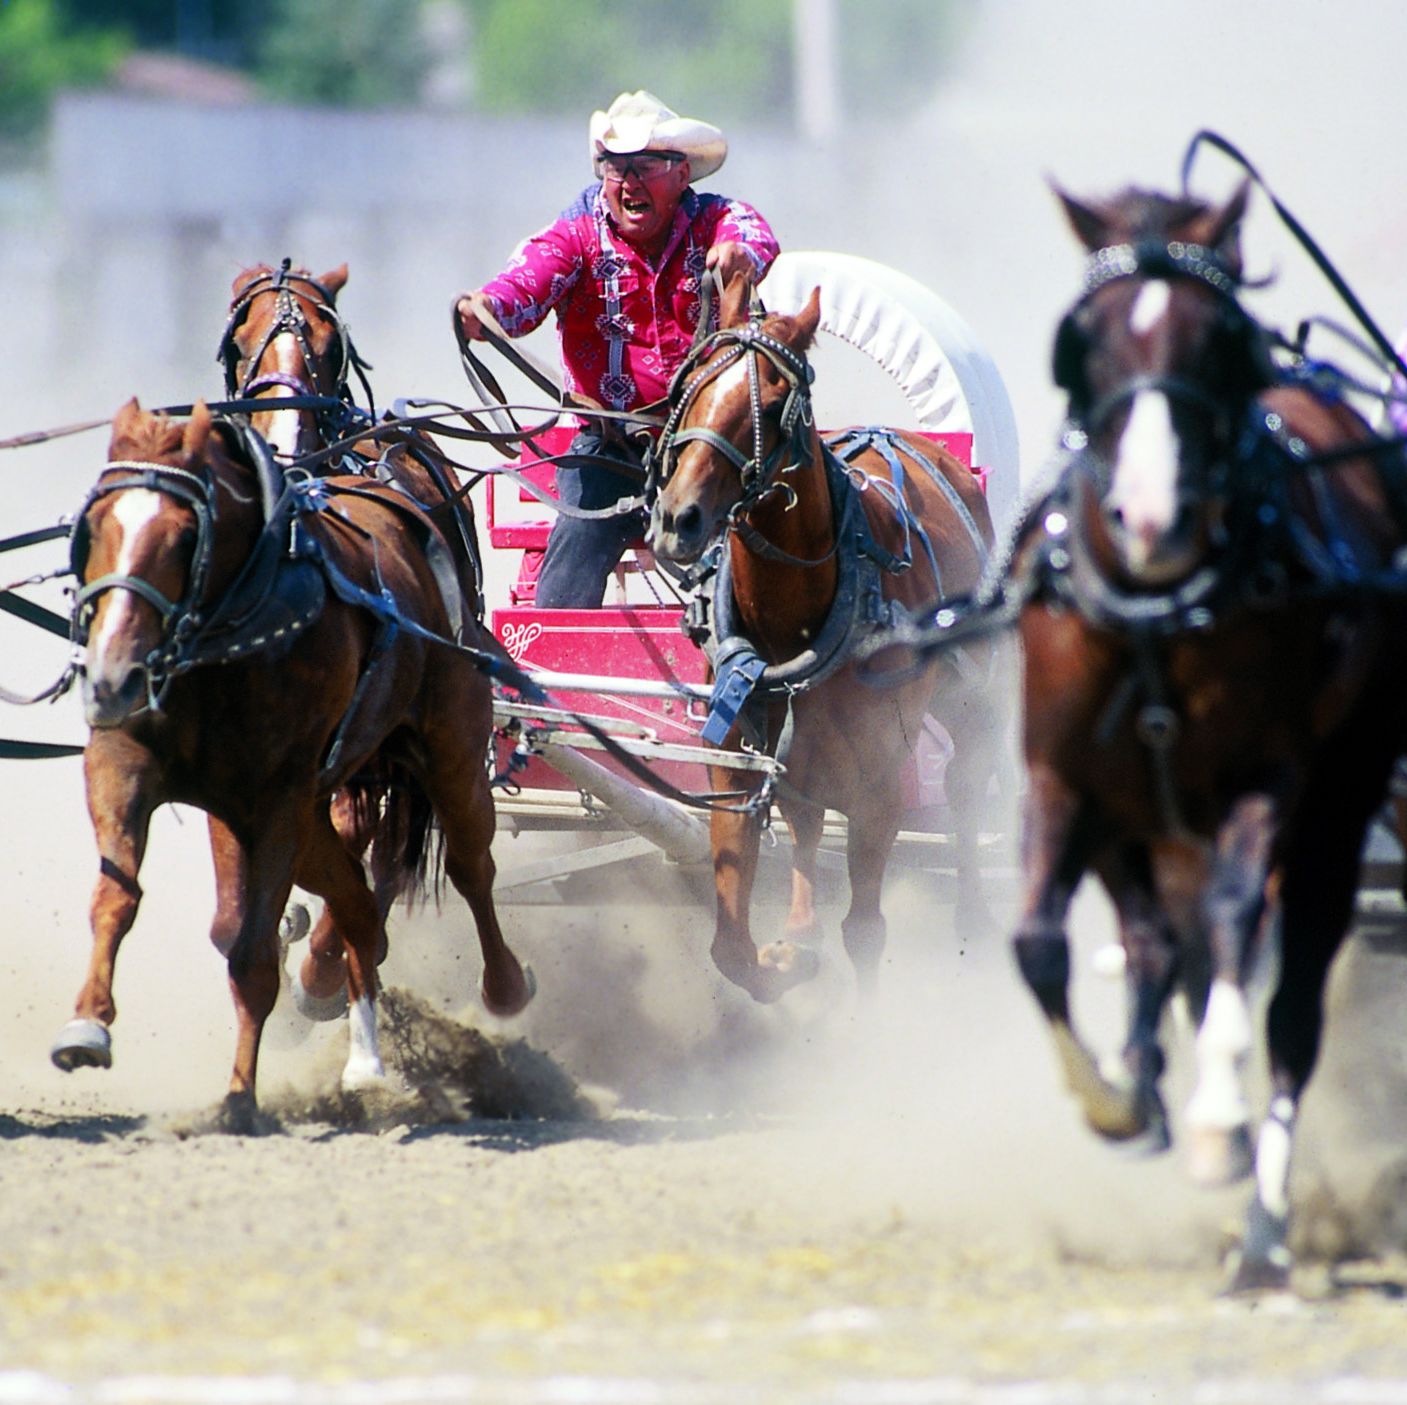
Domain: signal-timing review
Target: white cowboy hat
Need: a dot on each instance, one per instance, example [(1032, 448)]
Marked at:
[(641, 122)]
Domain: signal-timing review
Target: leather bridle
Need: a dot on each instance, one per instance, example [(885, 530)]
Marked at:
[(178, 617), (289, 288), (707, 360)]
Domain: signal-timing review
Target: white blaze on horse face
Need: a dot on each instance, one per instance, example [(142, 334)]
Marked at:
[(283, 425), (1150, 306), (726, 382), (132, 511), (1143, 490)]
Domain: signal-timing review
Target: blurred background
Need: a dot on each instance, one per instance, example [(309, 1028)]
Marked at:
[(151, 149)]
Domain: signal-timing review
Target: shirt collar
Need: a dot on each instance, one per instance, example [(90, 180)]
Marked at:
[(683, 217)]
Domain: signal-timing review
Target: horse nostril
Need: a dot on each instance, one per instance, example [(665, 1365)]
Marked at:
[(689, 523)]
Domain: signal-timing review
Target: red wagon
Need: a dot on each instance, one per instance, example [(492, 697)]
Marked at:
[(631, 667)]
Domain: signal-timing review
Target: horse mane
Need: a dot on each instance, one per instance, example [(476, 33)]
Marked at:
[(249, 275), (1135, 214), (333, 280)]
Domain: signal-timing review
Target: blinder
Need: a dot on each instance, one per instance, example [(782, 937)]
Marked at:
[(179, 483)]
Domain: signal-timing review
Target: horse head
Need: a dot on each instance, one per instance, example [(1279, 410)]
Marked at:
[(1160, 362), (144, 554), (284, 337), (739, 406)]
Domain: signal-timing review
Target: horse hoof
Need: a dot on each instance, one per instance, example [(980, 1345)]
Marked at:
[(318, 1007), (239, 1116), (1153, 1140), (363, 1075), (1251, 1275), (780, 966), (508, 1008), (82, 1044), (1218, 1156), (294, 925)]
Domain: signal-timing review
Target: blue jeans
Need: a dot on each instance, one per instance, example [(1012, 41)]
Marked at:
[(582, 552)]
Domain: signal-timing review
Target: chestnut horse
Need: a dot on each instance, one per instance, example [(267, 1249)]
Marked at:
[(285, 339), (249, 641), (1212, 638), (817, 549)]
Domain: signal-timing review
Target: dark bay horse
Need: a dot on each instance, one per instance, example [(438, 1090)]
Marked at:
[(249, 642), (817, 548), (1212, 629), (285, 340)]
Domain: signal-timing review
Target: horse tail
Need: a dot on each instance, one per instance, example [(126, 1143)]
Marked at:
[(406, 832), (391, 808)]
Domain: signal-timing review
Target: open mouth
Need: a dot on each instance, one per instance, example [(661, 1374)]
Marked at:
[(636, 206)]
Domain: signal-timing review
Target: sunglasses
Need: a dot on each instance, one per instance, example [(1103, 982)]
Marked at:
[(646, 165)]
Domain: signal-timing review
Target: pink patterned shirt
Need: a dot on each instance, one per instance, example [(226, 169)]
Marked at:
[(624, 324)]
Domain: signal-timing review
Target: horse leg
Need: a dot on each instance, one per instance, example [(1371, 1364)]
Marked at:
[(766, 975), (1150, 968), (231, 880), (1318, 884), (807, 825), (121, 798), (868, 846), (253, 963), (330, 869), (977, 709), (320, 986), (975, 728), (1218, 1115), (458, 787), (1059, 837)]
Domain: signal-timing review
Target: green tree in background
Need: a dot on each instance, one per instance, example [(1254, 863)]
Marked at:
[(351, 53), (223, 31), (39, 54), (729, 60), (700, 55)]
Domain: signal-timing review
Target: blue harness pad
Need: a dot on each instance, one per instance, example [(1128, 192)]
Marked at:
[(738, 673)]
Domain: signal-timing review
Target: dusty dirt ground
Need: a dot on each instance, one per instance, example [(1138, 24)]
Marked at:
[(694, 1199)]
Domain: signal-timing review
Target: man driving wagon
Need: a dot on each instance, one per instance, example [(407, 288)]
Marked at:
[(623, 267)]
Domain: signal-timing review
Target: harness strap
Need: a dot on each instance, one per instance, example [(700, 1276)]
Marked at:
[(1306, 242)]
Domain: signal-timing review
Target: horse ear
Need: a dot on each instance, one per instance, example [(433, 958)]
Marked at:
[(245, 277), (1223, 232), (122, 420), (1091, 228), (336, 280), (123, 425), (197, 430), (809, 318), (733, 307)]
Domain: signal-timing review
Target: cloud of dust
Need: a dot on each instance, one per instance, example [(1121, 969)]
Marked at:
[(939, 1102)]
